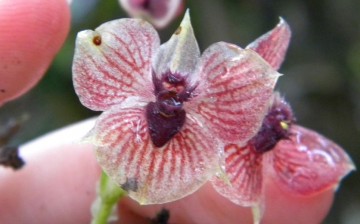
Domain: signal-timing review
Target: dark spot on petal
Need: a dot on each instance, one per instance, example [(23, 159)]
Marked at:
[(2, 91), (162, 217), (275, 127), (131, 184), (97, 40), (164, 121), (178, 31)]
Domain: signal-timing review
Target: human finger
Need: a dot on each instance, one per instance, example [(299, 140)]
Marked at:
[(207, 206), (58, 185), (32, 32)]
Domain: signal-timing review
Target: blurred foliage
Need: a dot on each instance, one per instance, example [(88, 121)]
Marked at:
[(321, 72)]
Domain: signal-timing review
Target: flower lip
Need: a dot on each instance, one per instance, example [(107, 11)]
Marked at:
[(164, 120), (166, 116), (275, 127)]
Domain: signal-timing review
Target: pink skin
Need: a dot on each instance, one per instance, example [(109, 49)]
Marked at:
[(57, 185), (32, 32)]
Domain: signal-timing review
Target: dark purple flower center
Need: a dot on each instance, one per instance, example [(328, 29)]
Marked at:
[(275, 127), (157, 8), (166, 116)]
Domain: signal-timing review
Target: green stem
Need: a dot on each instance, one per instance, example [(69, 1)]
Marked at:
[(103, 214), (108, 196), (258, 212)]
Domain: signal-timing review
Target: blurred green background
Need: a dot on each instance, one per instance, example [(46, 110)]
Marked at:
[(321, 71)]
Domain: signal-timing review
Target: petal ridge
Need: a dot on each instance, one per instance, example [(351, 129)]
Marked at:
[(309, 163), (243, 168), (234, 93), (272, 46), (125, 152)]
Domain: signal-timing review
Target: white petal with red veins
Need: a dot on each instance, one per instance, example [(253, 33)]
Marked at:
[(180, 54), (272, 46), (113, 63), (309, 163), (234, 93), (151, 174), (243, 168)]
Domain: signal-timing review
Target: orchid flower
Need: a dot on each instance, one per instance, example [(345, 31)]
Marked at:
[(157, 12), (300, 160), (168, 111)]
